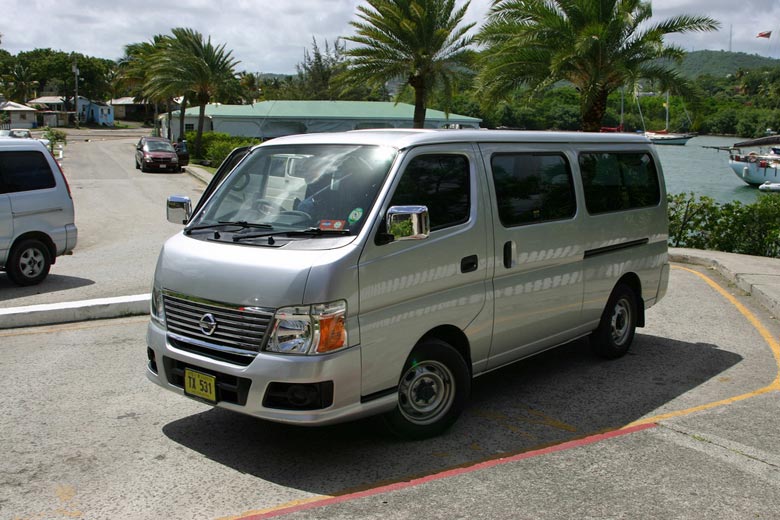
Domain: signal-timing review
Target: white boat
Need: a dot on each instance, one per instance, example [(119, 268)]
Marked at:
[(756, 167), (665, 136), (770, 186), (669, 138)]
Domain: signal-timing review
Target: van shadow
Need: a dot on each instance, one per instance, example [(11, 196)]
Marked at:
[(557, 396), (52, 283)]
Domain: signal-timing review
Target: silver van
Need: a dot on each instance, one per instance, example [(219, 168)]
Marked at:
[(410, 262), (36, 211)]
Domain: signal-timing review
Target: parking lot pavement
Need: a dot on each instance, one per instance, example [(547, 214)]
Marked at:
[(723, 463), (685, 426)]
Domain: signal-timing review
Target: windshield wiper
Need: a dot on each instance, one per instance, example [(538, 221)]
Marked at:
[(241, 223), (293, 232)]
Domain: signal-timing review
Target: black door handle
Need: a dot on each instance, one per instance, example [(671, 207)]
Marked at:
[(469, 264), (508, 254)]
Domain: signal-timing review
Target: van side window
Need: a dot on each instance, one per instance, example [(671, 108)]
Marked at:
[(24, 171), (440, 182), (532, 188), (619, 181)]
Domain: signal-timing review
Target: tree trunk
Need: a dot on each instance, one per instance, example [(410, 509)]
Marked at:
[(182, 108), (168, 110), (199, 135), (593, 115), (420, 94)]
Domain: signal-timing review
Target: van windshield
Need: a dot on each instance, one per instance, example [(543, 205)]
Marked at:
[(302, 187)]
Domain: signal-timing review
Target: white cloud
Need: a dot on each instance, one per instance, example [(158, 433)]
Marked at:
[(270, 36)]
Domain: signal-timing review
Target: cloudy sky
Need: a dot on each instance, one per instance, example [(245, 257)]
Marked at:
[(271, 35)]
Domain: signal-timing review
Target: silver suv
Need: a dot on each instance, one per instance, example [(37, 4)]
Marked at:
[(36, 211)]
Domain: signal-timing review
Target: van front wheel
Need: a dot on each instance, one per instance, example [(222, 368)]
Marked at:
[(615, 332), (432, 391), (29, 262)]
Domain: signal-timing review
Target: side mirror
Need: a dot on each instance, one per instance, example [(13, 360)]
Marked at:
[(408, 222), (179, 209)]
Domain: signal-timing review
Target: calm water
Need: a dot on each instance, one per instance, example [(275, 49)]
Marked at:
[(703, 171)]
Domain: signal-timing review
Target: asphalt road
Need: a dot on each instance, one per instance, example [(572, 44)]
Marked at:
[(85, 435), (120, 214)]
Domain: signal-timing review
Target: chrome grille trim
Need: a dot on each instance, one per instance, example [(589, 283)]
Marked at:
[(240, 330)]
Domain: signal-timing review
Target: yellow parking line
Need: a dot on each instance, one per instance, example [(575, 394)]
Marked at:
[(773, 345)]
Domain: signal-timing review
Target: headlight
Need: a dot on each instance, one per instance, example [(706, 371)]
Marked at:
[(157, 310), (309, 329)]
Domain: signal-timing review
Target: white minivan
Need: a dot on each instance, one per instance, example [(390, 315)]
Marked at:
[(36, 211), (410, 262)]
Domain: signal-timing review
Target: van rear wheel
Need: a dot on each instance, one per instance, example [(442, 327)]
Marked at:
[(615, 332), (432, 391), (29, 262)]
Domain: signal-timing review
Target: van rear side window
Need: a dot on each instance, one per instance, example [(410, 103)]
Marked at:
[(532, 188), (24, 171), (619, 181)]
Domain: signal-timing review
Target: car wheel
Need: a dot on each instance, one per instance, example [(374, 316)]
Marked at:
[(615, 332), (137, 166), (29, 262), (432, 391)]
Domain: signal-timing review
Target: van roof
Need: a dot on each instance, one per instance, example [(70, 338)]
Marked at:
[(407, 137), (12, 143)]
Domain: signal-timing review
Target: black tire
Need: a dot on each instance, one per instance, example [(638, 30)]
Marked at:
[(137, 166), (432, 391), (29, 262), (615, 332)]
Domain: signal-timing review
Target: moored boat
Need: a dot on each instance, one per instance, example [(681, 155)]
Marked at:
[(770, 186), (757, 167), (664, 137)]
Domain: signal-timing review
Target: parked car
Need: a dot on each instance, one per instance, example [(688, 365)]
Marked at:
[(155, 154), (36, 211), (183, 152), (22, 133), (333, 276)]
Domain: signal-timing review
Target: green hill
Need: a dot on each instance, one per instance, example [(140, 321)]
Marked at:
[(722, 63)]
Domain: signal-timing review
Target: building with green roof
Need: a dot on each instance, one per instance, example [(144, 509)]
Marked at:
[(269, 119)]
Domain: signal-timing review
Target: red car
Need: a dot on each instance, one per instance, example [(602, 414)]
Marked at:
[(155, 154)]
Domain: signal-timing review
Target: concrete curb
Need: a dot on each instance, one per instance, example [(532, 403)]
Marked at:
[(765, 288), (53, 313)]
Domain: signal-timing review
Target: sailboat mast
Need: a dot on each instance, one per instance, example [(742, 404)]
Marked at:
[(667, 110)]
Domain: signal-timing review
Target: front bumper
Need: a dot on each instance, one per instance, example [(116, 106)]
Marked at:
[(342, 369)]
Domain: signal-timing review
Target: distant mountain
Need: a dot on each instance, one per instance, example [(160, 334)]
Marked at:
[(722, 63)]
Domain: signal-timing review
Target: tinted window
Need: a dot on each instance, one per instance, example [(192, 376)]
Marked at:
[(440, 182), (24, 171), (619, 181), (532, 188)]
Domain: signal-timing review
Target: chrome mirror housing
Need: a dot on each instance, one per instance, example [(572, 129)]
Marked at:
[(179, 209), (408, 222)]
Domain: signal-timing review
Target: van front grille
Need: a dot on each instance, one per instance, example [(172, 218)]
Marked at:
[(215, 325)]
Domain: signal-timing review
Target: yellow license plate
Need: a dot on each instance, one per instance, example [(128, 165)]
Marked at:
[(200, 385)]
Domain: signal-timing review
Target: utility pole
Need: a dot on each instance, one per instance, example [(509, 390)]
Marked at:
[(76, 81)]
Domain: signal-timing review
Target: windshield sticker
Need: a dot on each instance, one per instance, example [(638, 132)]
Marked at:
[(356, 215), (332, 225)]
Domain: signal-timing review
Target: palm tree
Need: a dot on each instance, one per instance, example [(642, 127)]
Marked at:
[(21, 83), (195, 68), (134, 70), (598, 46), (422, 41)]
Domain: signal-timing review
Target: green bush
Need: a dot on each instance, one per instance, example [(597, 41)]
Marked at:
[(701, 223), (216, 146)]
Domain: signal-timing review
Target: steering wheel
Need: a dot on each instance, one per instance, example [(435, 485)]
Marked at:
[(267, 208)]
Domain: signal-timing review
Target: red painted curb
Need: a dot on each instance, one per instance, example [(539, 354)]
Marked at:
[(449, 473)]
